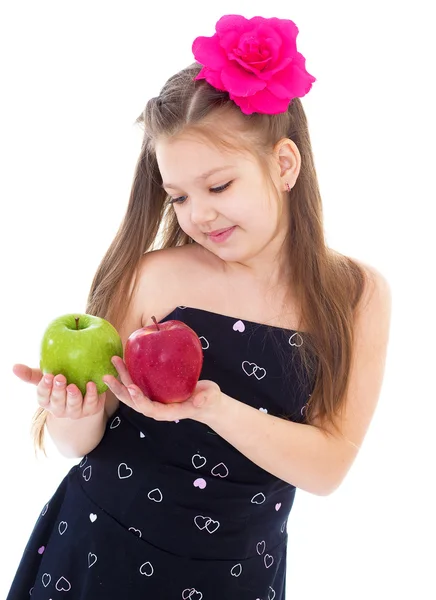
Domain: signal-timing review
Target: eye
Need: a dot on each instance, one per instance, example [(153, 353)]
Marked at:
[(221, 188), (217, 190)]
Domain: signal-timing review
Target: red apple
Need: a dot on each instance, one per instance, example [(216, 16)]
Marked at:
[(164, 360)]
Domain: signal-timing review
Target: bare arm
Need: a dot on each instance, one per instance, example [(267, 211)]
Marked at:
[(76, 437), (303, 455), (76, 425)]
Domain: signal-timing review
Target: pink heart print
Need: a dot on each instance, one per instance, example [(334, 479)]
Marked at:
[(200, 483), (239, 326)]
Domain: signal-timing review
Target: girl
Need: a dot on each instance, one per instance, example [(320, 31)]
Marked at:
[(191, 500)]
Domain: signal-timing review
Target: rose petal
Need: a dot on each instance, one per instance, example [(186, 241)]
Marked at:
[(283, 31), (292, 81), (255, 53), (253, 67), (239, 82), (287, 32), (269, 36), (262, 102), (279, 66), (274, 46), (256, 61), (236, 24), (212, 77), (279, 86), (207, 51), (229, 29)]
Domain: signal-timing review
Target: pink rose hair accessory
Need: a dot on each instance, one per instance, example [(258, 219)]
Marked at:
[(256, 61)]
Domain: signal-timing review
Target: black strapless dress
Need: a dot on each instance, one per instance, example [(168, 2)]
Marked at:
[(170, 510)]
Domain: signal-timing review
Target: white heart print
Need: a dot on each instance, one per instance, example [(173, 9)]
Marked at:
[(92, 559), (252, 369), (258, 498), (198, 461), (206, 523), (92, 517), (271, 593), (191, 594), (202, 338), (86, 473), (62, 527), (155, 495), (268, 560), (46, 578), (260, 547), (236, 570), (146, 569), (296, 340), (220, 470), (63, 585), (239, 326), (115, 422), (124, 471)]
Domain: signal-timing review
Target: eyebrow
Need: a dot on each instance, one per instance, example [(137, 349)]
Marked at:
[(200, 177)]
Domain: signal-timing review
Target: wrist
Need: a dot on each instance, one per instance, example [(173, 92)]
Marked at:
[(221, 411)]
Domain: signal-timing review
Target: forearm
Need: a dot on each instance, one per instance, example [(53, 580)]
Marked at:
[(299, 454), (76, 437)]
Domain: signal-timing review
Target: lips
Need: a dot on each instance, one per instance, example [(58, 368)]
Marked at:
[(218, 231)]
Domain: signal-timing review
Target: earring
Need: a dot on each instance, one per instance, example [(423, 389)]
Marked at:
[(287, 185)]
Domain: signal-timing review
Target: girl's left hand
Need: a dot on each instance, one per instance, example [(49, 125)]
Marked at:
[(204, 402)]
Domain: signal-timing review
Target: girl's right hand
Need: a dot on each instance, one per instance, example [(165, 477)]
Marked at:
[(65, 402)]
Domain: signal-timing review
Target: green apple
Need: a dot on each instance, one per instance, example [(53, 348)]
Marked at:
[(80, 346)]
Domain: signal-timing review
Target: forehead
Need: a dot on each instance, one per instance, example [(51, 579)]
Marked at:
[(189, 158)]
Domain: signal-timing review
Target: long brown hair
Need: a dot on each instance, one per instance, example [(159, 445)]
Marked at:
[(327, 284)]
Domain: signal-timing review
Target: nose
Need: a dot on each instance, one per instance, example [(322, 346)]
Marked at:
[(202, 212)]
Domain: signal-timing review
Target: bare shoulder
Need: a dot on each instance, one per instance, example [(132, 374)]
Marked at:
[(166, 278), (377, 288), (371, 339), (161, 274)]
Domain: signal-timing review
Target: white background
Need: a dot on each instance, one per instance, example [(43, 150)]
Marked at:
[(74, 77)]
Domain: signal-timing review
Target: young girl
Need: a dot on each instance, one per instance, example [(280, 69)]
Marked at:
[(191, 500)]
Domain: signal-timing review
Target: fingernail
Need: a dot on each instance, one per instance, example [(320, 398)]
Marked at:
[(132, 391), (47, 380)]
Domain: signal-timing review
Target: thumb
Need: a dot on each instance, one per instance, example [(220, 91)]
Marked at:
[(27, 374), (199, 399)]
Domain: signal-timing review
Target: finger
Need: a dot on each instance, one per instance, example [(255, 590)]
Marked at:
[(120, 366), (155, 410), (92, 402), (58, 395), (74, 402), (27, 374), (120, 391), (43, 390)]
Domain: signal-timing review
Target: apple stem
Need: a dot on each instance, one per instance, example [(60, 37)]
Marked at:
[(155, 322), (77, 322)]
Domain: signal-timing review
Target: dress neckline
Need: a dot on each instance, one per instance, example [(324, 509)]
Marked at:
[(235, 319)]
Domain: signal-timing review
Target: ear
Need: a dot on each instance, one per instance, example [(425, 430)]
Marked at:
[(289, 162)]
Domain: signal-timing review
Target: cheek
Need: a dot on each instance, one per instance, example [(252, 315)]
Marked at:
[(186, 225)]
